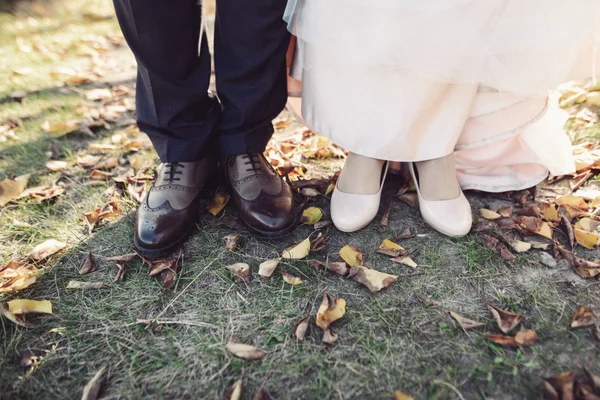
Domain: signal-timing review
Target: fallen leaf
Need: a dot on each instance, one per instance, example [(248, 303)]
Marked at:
[(520, 246), (309, 192), (494, 244), (501, 340), (261, 395), (586, 239), (232, 241), (584, 268), (98, 94), (587, 224), (25, 306), (338, 267), (297, 251), (596, 333), (561, 385), (124, 258), (88, 265), (406, 261), (292, 280), (235, 393), (573, 201), (410, 199), (10, 189), (550, 212), (218, 203), (584, 316), (526, 337), (301, 328), (329, 337), (505, 212), (241, 272), (158, 266), (595, 380), (16, 276), (535, 225), (245, 351), (44, 250), (506, 320), (407, 233), (98, 175), (539, 245), (330, 311), (489, 214), (5, 312), (391, 249), (311, 215), (385, 219), (86, 285), (465, 323), (92, 389), (399, 395), (321, 224), (373, 280), (108, 163), (87, 160), (266, 268), (318, 243), (43, 192), (55, 165), (352, 255), (585, 392)]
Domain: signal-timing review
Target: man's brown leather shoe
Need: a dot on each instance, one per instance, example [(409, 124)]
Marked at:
[(170, 210), (263, 199)]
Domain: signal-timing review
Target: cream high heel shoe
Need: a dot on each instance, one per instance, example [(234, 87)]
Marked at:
[(450, 217), (351, 212)]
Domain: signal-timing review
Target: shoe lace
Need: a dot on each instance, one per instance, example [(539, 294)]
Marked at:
[(172, 169), (251, 160)]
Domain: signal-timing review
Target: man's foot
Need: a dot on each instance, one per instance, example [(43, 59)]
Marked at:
[(263, 199), (170, 209)]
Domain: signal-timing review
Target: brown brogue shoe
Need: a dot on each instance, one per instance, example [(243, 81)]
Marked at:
[(264, 200)]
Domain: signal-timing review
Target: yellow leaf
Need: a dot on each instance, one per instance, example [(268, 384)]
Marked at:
[(266, 268), (297, 251), (218, 203), (391, 249), (330, 188), (519, 246), (330, 311), (10, 189), (240, 271), (584, 316), (292, 280), (526, 337), (5, 312), (572, 201), (24, 306), (236, 391), (406, 261), (586, 239), (587, 224), (373, 280), (398, 395), (550, 213), (535, 225), (312, 215), (352, 255), (489, 214)]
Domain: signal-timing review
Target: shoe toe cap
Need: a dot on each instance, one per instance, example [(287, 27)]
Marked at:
[(351, 212), (450, 217)]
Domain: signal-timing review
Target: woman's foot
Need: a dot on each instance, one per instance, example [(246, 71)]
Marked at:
[(355, 199), (441, 201)]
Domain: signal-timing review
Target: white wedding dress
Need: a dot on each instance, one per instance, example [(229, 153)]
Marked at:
[(413, 80)]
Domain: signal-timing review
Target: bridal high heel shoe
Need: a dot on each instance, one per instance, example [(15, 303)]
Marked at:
[(351, 212), (450, 217)]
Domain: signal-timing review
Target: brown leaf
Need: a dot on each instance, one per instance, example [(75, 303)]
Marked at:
[(44, 250), (595, 380), (122, 271), (108, 163), (505, 212), (318, 243), (501, 340), (16, 276), (407, 233), (562, 385), (330, 311), (385, 219), (261, 395), (535, 225), (585, 392), (494, 244), (329, 337), (292, 280), (92, 389), (232, 241), (43, 192), (245, 351), (465, 323), (584, 316), (158, 266), (526, 337), (352, 255), (410, 199), (489, 214), (506, 320), (391, 249), (266, 268), (123, 258), (86, 285), (88, 265), (338, 267), (584, 268), (218, 203), (301, 328), (373, 280), (98, 175), (241, 272), (10, 189)]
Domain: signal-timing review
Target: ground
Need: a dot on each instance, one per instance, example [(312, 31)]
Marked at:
[(401, 338)]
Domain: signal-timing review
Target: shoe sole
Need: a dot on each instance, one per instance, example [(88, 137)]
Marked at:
[(270, 234)]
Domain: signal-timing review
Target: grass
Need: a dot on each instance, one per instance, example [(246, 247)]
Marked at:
[(388, 341)]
